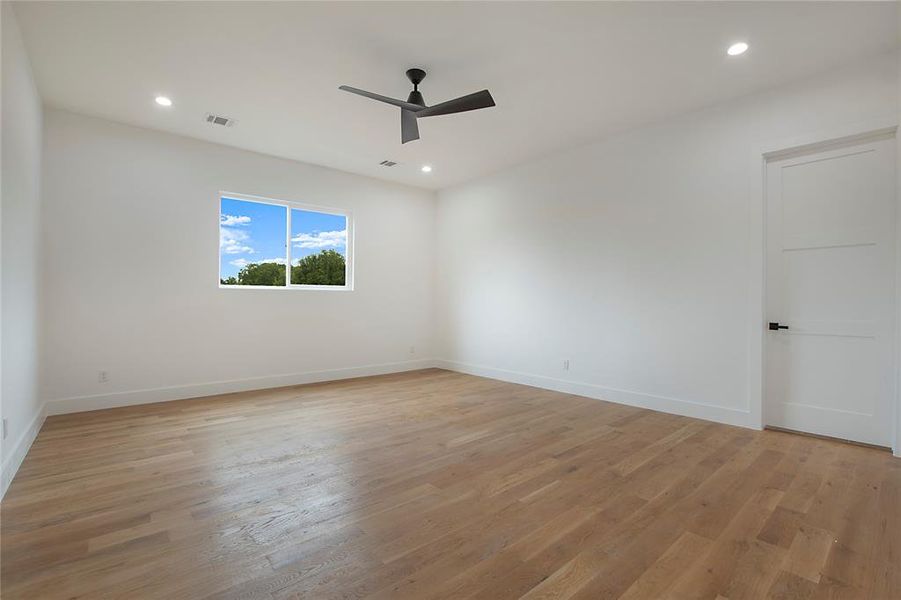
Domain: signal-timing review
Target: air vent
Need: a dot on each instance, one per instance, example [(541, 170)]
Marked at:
[(219, 120), (387, 163)]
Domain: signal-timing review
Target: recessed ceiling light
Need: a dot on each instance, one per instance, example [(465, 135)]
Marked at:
[(737, 48), (426, 169), (163, 101)]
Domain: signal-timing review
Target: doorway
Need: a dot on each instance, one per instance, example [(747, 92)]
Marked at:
[(830, 289)]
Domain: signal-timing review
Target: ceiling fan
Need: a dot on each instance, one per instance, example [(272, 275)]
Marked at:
[(415, 107)]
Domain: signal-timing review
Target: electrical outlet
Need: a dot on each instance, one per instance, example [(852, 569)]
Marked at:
[(5, 428), (566, 364), (103, 376)]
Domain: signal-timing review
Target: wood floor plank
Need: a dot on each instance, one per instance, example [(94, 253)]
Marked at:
[(438, 485), (654, 582), (809, 552)]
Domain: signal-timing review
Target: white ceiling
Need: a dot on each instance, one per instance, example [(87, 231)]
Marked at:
[(561, 73)]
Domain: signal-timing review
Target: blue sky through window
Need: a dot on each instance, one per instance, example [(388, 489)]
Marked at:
[(313, 232), (250, 232)]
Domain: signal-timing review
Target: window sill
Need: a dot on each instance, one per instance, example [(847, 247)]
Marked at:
[(296, 288)]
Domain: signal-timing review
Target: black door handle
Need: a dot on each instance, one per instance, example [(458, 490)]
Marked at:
[(777, 326)]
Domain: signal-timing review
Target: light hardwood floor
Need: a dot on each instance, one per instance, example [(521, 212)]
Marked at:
[(439, 485)]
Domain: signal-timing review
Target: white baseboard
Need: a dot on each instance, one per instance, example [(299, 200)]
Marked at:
[(129, 398), (687, 408), (666, 404), (12, 462)]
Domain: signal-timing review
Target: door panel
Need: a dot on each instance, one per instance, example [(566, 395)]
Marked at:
[(831, 279), (831, 284)]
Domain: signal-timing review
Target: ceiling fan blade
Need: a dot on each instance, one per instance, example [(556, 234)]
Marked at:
[(474, 101), (380, 98), (409, 129)]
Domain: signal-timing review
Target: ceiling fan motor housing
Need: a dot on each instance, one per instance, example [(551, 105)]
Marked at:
[(415, 97)]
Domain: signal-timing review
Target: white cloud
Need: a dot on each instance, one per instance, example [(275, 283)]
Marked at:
[(321, 239), (243, 262), (231, 220), (236, 248), (231, 241)]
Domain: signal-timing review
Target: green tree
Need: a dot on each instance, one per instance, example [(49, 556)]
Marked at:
[(325, 268), (268, 273), (229, 281)]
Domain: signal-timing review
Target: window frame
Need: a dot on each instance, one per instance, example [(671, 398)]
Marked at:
[(289, 205)]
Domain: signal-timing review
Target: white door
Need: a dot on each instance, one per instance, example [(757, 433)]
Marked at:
[(831, 281)]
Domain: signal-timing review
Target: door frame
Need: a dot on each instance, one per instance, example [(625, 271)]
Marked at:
[(886, 127)]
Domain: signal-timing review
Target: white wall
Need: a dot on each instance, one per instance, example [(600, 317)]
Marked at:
[(897, 446), (631, 256), (20, 114), (130, 272)]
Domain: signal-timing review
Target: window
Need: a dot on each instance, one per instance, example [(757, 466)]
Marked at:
[(277, 244)]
